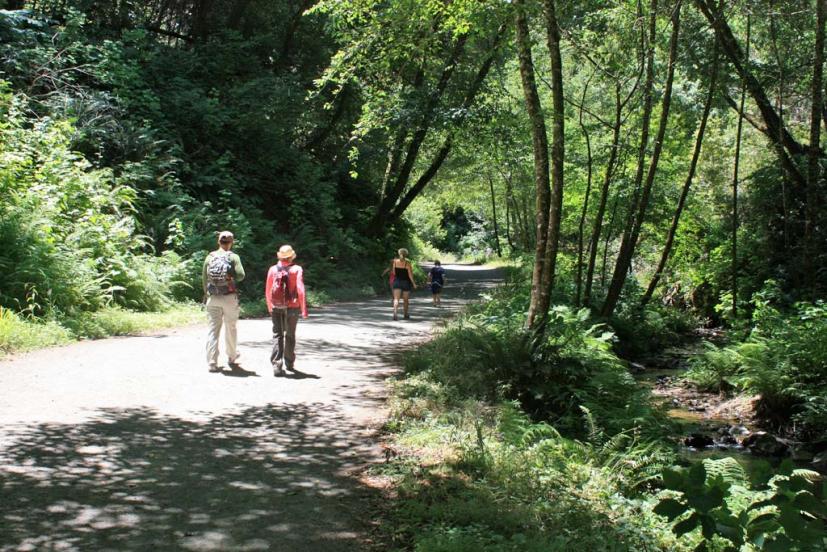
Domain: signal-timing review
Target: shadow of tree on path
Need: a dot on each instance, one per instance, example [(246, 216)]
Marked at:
[(266, 478)]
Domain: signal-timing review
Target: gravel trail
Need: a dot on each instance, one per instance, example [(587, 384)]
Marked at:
[(130, 444)]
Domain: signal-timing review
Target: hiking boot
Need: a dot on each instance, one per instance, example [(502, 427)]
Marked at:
[(214, 368), (277, 370), (407, 317), (395, 317), (289, 367)]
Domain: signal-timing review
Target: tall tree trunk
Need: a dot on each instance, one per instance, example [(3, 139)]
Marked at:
[(693, 163), (785, 176), (447, 144), (814, 153), (558, 155), (539, 140), (494, 215), (290, 31), (736, 166), (397, 200), (584, 211), (403, 175), (202, 11), (627, 244), (597, 227), (508, 212), (782, 140), (605, 261)]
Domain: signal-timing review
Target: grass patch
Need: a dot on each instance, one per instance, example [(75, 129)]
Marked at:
[(472, 475), (110, 321), (18, 334)]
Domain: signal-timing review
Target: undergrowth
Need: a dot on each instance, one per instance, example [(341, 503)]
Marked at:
[(783, 360), (506, 447), (19, 334), (501, 446)]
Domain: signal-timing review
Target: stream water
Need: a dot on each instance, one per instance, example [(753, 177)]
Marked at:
[(710, 426)]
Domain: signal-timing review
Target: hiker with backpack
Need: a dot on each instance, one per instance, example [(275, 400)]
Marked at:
[(285, 296), (222, 271)]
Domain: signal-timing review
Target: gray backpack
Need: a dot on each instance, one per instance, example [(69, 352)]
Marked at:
[(220, 270)]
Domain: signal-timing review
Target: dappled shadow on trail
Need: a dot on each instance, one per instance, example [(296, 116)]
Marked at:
[(267, 478)]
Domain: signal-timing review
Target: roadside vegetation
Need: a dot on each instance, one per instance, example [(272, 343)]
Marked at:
[(495, 447)]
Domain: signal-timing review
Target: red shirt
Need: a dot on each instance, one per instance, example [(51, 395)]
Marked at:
[(293, 271)]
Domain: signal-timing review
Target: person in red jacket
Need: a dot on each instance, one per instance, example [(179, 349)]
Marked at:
[(286, 301)]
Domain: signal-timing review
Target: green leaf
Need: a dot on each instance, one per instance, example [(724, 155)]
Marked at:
[(707, 501), (686, 525), (670, 508), (697, 475), (808, 503), (708, 527), (762, 519), (674, 478)]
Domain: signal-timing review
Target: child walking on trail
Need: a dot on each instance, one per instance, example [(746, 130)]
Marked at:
[(286, 301), (437, 279)]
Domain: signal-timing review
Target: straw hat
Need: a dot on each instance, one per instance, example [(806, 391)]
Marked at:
[(286, 253)]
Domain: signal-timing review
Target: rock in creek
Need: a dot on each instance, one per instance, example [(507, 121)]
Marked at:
[(762, 443), (698, 441), (801, 454), (820, 462)]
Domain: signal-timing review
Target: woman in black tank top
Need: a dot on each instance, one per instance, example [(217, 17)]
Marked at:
[(403, 283)]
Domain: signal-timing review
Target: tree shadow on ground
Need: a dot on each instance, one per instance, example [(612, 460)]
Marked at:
[(266, 478)]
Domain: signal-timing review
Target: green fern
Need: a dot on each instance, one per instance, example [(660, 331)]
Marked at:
[(728, 469)]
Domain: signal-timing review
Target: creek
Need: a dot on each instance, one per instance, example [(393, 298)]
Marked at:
[(711, 425)]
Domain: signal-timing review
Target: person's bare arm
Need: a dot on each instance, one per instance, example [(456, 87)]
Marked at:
[(410, 275)]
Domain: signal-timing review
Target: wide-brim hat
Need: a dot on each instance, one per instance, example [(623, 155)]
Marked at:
[(286, 252)]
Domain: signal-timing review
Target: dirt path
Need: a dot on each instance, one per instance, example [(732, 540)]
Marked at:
[(130, 444)]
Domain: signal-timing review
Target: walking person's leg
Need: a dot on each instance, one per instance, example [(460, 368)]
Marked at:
[(406, 296), (277, 354), (215, 319), (397, 293), (231, 312), (292, 319)]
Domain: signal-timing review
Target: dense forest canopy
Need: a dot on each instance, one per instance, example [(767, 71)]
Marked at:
[(339, 125)]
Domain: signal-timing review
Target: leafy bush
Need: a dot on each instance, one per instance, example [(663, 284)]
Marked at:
[(484, 475), (715, 498), (715, 370), (783, 359), (70, 230), (642, 331), (18, 334), (488, 354)]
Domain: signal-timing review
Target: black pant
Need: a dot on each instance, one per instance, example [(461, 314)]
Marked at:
[(284, 336)]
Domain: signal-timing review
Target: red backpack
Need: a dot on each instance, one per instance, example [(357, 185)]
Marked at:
[(285, 287)]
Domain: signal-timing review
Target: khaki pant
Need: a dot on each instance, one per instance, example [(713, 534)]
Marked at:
[(222, 309)]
